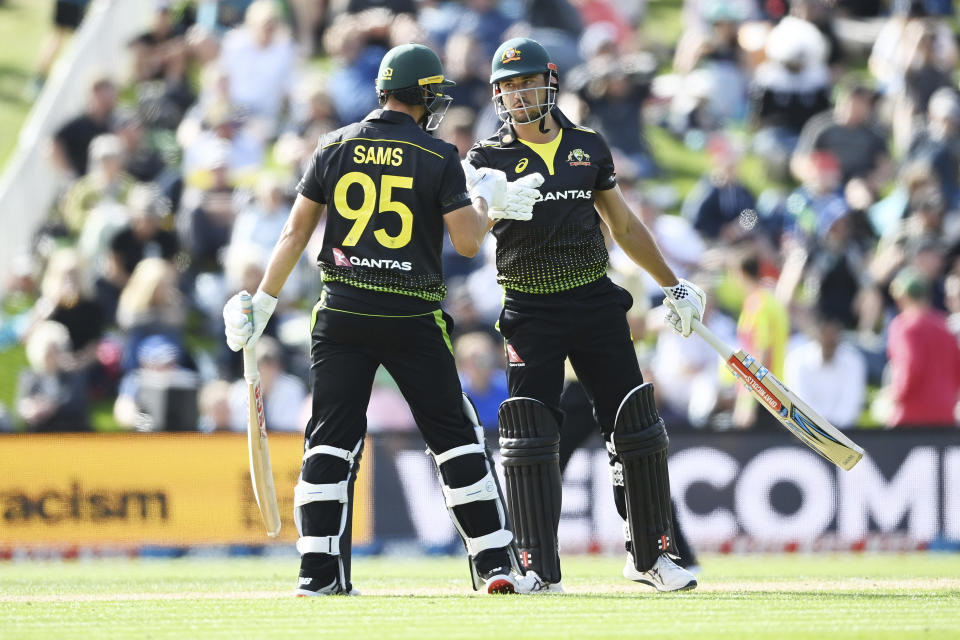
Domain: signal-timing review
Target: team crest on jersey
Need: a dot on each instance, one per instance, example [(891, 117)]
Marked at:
[(510, 55), (340, 258), (578, 158)]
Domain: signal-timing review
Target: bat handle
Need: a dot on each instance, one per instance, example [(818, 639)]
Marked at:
[(710, 338), (250, 372)]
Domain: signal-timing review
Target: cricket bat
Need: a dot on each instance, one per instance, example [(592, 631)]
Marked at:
[(261, 473), (793, 413)]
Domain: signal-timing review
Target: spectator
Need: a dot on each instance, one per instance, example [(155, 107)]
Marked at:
[(144, 236), (206, 220), (159, 394), (106, 182), (789, 88), (160, 53), (66, 298), (261, 62), (816, 203), (922, 395), (151, 304), (828, 373), (72, 141), (50, 396), (283, 394), (356, 42), (214, 401), (938, 144), (849, 133), (614, 89), (67, 15), (718, 201), (762, 330), (481, 374)]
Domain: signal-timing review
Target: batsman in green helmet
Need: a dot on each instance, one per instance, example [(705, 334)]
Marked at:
[(412, 74), (388, 191), (559, 304)]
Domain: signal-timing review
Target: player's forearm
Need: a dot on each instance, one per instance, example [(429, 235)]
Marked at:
[(638, 243)]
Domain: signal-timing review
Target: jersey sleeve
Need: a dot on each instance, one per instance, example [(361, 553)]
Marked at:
[(452, 193), (476, 157), (311, 185), (606, 174)]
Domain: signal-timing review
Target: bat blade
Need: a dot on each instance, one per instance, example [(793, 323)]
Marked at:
[(788, 408), (261, 471)]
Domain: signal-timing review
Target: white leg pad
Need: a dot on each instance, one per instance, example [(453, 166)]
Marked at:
[(495, 540), (482, 489), (319, 544)]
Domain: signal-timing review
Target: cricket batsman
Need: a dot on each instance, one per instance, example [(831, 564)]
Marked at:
[(559, 304), (389, 190)]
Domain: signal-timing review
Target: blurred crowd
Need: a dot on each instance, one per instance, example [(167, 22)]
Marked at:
[(842, 274)]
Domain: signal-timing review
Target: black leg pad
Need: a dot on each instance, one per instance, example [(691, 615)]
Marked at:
[(530, 450), (640, 445)]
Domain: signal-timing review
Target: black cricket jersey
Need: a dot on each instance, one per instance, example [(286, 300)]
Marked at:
[(562, 246), (387, 184)]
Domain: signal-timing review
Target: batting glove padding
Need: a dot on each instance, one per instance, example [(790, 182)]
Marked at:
[(520, 197), (243, 330), (505, 200), (686, 302)]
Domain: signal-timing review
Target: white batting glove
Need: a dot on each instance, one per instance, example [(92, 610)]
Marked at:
[(242, 330), (686, 302), (518, 203), (489, 184)]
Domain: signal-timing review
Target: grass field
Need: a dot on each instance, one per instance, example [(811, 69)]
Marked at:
[(23, 25), (797, 596)]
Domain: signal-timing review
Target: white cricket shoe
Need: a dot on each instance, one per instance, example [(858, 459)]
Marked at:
[(332, 589), (664, 575), (531, 583), (501, 583)]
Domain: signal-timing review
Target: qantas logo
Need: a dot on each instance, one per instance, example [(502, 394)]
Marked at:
[(340, 258), (343, 260), (569, 194), (514, 358)]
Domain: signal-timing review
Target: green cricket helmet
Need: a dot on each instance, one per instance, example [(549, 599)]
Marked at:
[(414, 75), (523, 57)]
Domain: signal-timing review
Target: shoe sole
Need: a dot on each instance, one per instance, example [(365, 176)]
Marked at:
[(501, 586), (687, 587)]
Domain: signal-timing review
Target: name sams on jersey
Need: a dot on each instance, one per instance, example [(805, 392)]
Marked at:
[(392, 156)]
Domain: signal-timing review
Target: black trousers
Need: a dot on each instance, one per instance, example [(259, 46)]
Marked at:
[(587, 324), (347, 348)]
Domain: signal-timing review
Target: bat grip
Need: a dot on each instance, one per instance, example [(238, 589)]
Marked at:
[(250, 372)]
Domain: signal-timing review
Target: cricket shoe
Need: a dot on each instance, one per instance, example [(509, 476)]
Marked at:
[(664, 575), (500, 581), (305, 590), (531, 583)]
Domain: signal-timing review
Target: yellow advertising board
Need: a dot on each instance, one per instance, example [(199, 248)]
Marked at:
[(158, 489)]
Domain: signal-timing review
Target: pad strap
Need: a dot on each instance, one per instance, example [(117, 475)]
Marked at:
[(306, 492), (336, 452), (495, 540), (482, 489), (319, 544), (464, 450)]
